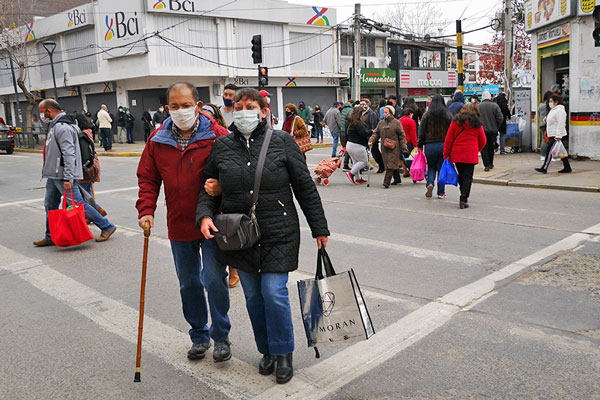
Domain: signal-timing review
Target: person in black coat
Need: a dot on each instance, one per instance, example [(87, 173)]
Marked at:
[(129, 118), (357, 144), (148, 125), (503, 103), (263, 269)]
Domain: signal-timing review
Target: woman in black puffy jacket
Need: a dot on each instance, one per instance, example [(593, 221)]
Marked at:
[(264, 268), (356, 145)]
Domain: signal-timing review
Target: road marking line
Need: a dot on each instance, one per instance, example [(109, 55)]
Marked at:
[(402, 249), (236, 379), (14, 203), (324, 378)]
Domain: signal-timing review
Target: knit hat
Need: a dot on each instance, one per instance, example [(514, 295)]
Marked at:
[(486, 95), (391, 110)]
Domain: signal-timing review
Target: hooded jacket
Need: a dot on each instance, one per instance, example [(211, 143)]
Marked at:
[(463, 143), (62, 156), (346, 111), (164, 162), (457, 104)]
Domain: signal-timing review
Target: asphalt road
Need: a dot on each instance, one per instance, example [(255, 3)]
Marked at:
[(501, 300)]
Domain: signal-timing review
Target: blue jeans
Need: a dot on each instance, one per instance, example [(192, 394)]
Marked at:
[(336, 138), (435, 158), (54, 192), (194, 274), (129, 134), (268, 305), (88, 188), (318, 130)]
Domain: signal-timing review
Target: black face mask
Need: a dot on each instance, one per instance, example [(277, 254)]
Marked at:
[(317, 109), (389, 103), (301, 107), (288, 113)]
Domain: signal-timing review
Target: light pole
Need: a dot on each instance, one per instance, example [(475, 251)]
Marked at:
[(50, 46)]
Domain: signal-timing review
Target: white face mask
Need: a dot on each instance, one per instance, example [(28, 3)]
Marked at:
[(45, 119), (184, 118), (552, 105), (246, 120), (268, 100)]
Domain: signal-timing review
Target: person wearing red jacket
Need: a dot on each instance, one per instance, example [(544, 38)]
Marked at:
[(175, 156), (464, 140), (410, 129)]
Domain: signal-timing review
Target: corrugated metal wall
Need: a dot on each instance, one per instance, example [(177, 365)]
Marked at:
[(272, 40), (306, 44), (81, 43), (195, 35)]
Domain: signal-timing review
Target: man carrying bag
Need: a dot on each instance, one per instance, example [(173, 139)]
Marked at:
[(333, 307)]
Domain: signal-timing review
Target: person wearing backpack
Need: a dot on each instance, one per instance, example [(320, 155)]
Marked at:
[(62, 166)]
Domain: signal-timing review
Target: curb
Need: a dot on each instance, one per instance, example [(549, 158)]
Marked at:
[(499, 182)]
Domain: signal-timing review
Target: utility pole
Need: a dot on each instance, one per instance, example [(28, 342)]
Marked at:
[(356, 66), (459, 56), (508, 49)]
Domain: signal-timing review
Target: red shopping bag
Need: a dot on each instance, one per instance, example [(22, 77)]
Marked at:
[(67, 225)]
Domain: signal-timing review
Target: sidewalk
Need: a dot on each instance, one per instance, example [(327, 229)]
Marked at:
[(509, 169)]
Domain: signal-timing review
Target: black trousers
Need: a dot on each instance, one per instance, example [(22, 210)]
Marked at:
[(487, 154), (465, 179), (377, 155), (565, 161), (389, 173)]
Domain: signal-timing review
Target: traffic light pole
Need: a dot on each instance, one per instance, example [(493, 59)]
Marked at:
[(459, 55)]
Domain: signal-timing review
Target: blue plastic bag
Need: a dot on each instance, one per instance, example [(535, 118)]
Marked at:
[(448, 175)]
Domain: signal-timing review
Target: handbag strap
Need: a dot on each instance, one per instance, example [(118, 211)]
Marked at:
[(453, 140), (65, 199), (293, 125), (259, 167), (323, 260)]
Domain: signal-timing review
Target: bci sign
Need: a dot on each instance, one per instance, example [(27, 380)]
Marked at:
[(175, 5), (120, 26), (76, 18)]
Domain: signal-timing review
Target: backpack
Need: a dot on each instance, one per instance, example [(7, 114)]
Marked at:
[(86, 146)]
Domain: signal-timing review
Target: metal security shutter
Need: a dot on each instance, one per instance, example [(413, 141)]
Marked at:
[(94, 101), (324, 96)]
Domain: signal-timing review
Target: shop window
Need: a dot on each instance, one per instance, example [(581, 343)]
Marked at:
[(367, 47), (430, 59), (406, 58)]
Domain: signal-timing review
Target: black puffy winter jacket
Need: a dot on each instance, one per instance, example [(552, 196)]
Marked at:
[(233, 163)]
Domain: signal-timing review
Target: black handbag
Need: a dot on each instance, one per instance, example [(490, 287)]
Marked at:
[(241, 231)]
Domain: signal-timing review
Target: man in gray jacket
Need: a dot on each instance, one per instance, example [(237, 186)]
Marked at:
[(333, 119), (62, 167), (491, 118)]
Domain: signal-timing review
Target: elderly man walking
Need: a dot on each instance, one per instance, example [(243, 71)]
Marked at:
[(62, 166), (175, 155), (333, 120), (491, 118)]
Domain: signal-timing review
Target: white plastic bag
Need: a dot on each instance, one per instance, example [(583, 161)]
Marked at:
[(522, 124), (558, 150)]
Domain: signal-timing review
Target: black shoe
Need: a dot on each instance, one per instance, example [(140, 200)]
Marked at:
[(486, 169), (542, 170), (284, 370), (492, 166), (463, 204), (380, 171), (267, 364), (386, 185), (222, 351), (565, 171), (396, 182), (198, 351)]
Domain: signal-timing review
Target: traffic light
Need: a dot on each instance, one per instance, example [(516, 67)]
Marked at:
[(394, 57), (596, 32), (263, 76), (257, 49)]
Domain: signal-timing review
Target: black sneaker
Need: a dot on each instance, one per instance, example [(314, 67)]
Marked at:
[(222, 351), (198, 351), (564, 171), (542, 170)]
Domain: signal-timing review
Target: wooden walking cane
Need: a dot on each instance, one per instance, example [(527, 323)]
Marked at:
[(142, 294)]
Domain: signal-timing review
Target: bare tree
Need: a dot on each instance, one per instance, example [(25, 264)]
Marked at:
[(14, 14), (419, 19)]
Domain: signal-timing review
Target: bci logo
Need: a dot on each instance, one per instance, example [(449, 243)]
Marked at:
[(76, 18), (121, 26), (175, 5)]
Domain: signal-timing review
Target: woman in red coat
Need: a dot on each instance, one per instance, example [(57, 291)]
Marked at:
[(464, 141)]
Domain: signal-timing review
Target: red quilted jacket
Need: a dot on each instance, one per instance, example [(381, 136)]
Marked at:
[(467, 144), (181, 172)]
